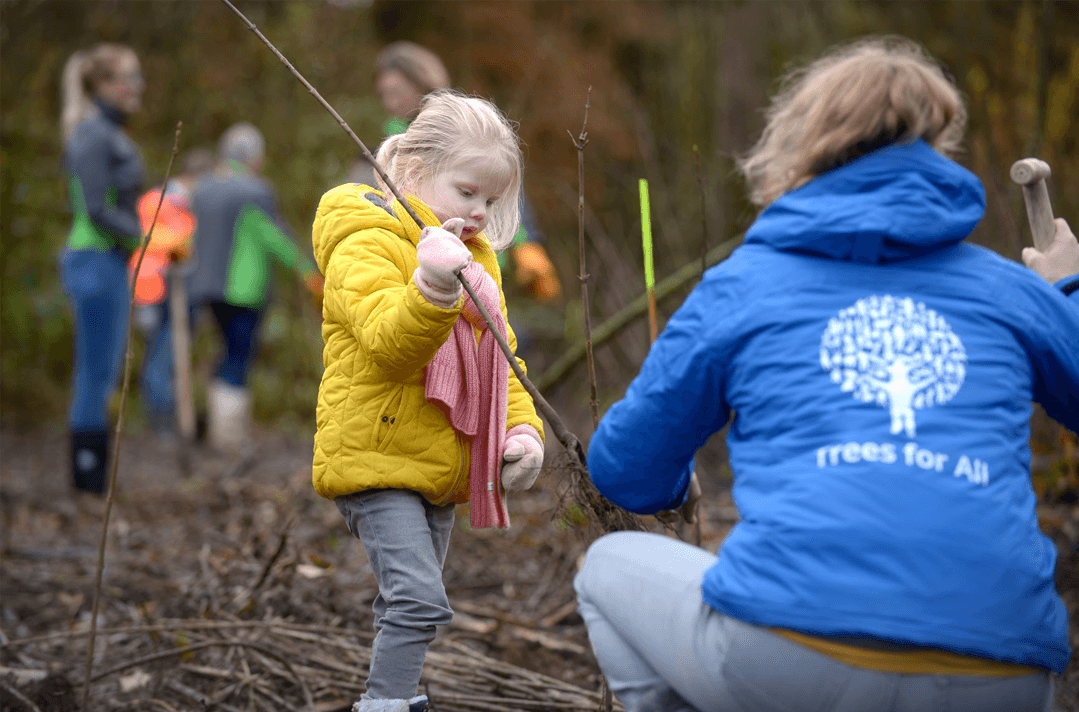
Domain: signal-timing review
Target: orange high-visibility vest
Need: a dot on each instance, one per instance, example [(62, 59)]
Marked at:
[(172, 233)]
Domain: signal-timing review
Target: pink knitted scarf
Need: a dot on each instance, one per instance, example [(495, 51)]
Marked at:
[(471, 382)]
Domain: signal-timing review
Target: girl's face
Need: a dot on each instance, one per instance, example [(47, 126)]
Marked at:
[(467, 190), (124, 88)]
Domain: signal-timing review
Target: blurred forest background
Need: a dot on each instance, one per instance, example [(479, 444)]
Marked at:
[(677, 91)]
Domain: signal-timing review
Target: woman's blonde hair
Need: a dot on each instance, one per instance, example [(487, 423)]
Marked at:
[(848, 103), (83, 72), (452, 128)]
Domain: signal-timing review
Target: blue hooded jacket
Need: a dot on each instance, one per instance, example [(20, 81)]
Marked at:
[(882, 372)]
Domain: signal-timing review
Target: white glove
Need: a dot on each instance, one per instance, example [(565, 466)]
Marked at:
[(1060, 260), (522, 458), (441, 255)]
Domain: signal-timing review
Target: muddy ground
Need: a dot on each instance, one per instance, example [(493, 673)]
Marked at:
[(231, 585)]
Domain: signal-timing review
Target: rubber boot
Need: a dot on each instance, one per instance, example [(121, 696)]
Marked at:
[(416, 704), (89, 456), (228, 416)]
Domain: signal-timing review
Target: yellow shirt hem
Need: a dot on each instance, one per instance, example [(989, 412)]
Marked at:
[(929, 661)]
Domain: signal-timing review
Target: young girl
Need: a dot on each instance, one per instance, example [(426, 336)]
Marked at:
[(418, 409)]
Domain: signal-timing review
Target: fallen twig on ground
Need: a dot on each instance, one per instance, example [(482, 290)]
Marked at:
[(319, 667)]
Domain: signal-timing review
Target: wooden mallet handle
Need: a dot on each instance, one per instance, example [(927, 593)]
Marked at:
[(181, 354), (1030, 173)]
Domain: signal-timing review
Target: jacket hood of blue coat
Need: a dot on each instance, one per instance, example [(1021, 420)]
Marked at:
[(895, 203)]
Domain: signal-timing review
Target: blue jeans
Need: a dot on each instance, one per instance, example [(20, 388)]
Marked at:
[(406, 539), (97, 285), (156, 380), (663, 648), (238, 327)]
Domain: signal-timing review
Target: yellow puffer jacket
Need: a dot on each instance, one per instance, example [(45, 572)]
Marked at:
[(376, 427)]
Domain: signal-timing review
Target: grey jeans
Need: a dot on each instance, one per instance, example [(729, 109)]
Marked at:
[(663, 648), (406, 539)]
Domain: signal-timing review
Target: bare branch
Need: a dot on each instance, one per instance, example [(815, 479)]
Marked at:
[(704, 214), (120, 426), (580, 143)]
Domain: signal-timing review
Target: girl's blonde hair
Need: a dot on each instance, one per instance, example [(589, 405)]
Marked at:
[(83, 72), (848, 103), (452, 128)]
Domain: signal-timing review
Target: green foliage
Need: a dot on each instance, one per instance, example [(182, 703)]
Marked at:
[(36, 338)]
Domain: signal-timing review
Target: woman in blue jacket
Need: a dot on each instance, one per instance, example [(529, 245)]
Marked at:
[(882, 371), (102, 87)]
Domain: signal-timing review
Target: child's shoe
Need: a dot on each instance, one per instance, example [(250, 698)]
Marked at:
[(416, 704)]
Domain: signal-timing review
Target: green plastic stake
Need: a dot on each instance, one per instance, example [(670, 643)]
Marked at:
[(646, 237), (649, 270)]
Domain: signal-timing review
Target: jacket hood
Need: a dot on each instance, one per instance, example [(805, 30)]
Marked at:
[(895, 203), (347, 209)]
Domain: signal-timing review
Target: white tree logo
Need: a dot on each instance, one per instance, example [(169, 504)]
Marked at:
[(896, 353)]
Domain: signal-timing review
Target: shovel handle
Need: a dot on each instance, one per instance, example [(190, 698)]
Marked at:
[(181, 354)]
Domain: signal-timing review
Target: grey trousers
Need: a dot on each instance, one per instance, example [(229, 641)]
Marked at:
[(663, 648), (406, 539)]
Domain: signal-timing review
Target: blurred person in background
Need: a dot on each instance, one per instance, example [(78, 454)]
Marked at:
[(882, 369), (171, 243), (102, 87), (238, 231), (405, 72)]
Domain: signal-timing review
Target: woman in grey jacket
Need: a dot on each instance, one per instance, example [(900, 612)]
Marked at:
[(102, 86)]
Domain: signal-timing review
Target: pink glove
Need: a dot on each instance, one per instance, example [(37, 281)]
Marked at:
[(441, 253), (522, 458)]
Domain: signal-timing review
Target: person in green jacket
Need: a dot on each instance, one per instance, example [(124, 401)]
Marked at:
[(239, 231)]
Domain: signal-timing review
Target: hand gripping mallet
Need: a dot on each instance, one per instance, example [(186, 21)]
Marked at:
[(1030, 173)]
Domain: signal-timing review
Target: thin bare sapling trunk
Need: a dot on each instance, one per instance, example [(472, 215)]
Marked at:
[(704, 214), (120, 429), (704, 268), (579, 143)]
